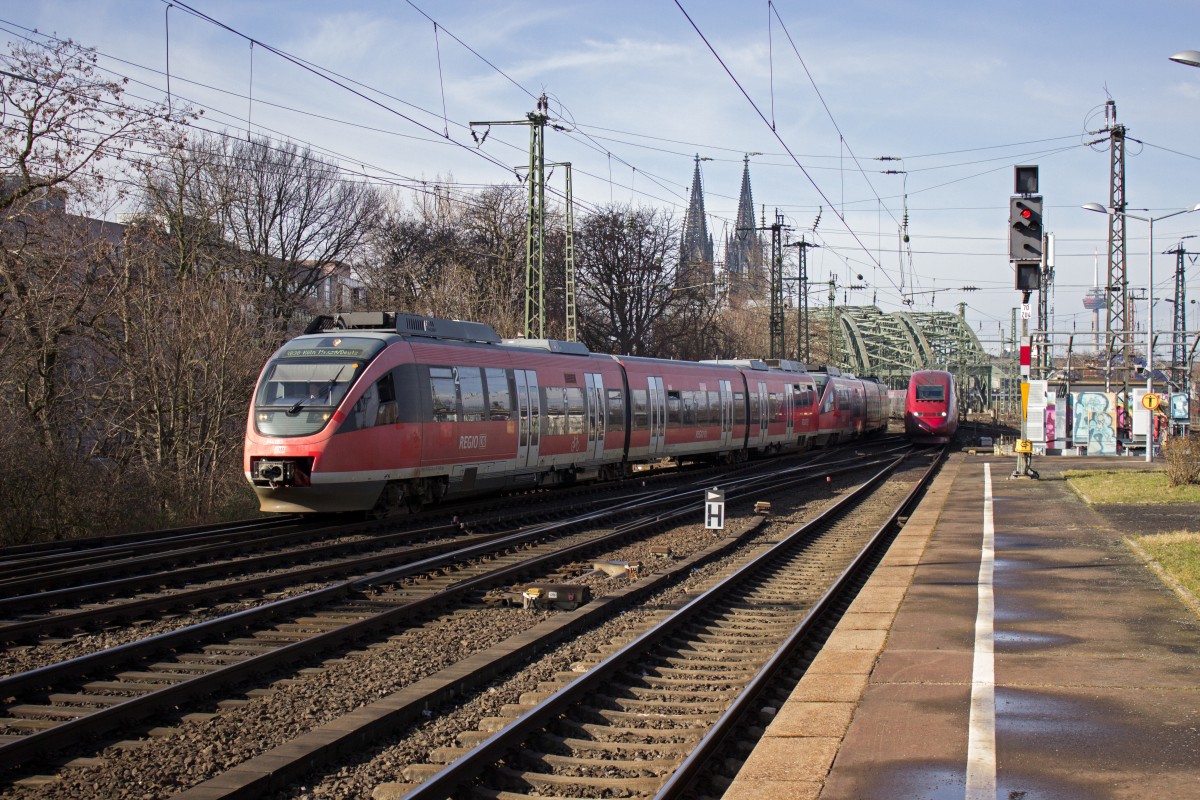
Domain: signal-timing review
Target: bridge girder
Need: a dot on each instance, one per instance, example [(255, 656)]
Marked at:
[(892, 346)]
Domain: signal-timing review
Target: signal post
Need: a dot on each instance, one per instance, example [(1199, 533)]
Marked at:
[(1027, 255)]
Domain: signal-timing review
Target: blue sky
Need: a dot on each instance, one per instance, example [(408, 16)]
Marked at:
[(959, 92)]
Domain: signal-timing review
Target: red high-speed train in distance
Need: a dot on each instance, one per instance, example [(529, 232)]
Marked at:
[(383, 411), (930, 407)]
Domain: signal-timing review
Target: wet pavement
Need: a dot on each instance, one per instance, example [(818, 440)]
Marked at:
[(1096, 690)]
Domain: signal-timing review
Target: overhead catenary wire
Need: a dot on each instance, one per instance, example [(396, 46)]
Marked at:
[(640, 187), (405, 181), (606, 151), (779, 138), (345, 82), (327, 75)]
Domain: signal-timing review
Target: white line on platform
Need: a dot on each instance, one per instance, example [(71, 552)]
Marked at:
[(981, 741)]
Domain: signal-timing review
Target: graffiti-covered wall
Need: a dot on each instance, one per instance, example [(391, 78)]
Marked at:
[(1095, 422)]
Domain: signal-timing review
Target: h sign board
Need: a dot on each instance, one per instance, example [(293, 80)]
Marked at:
[(714, 509)]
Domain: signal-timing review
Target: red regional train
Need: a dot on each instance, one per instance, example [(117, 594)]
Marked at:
[(930, 407), (381, 411)]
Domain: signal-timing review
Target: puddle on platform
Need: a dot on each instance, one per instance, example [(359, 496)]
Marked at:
[(1025, 714), (1005, 613), (1026, 640), (918, 782)]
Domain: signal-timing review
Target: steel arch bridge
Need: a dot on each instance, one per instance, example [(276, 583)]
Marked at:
[(891, 346)]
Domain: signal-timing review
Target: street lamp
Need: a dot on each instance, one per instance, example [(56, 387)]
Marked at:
[(1149, 292), (1189, 57)]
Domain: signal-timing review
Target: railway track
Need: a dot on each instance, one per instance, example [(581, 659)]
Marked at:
[(646, 720), (94, 566), (272, 770), (52, 708), (95, 582)]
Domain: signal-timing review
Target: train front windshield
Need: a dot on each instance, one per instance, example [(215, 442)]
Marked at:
[(306, 381), (932, 392)]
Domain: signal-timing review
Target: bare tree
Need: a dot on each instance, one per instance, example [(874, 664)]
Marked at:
[(294, 215), (62, 120), (187, 195), (187, 349), (452, 256), (625, 260), (65, 130), (494, 234), (405, 262), (692, 330), (744, 331), (64, 126)]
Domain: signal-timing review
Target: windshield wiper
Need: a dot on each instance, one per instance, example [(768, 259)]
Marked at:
[(299, 404)]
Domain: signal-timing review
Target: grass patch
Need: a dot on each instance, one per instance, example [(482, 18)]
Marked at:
[(1178, 553), (1130, 486)]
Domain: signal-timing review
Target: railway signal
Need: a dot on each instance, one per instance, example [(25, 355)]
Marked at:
[(1025, 233)]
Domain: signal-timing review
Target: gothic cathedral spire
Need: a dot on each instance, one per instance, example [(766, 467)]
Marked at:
[(696, 247), (743, 248)]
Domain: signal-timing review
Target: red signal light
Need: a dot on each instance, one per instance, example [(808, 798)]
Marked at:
[(1026, 213)]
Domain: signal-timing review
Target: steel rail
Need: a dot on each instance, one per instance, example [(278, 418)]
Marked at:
[(14, 553), (446, 782), (218, 550), (682, 779), (55, 738), (58, 562), (14, 631)]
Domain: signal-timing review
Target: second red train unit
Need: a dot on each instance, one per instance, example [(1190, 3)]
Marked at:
[(931, 407), (377, 411)]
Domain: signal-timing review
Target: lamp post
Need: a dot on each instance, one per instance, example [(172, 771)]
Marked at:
[(1150, 299), (1189, 57)]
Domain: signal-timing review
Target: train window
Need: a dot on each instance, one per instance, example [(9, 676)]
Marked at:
[(470, 389), (775, 406), (499, 394), (828, 400), (931, 392), (640, 410), (697, 408), (555, 410), (674, 408), (739, 407), (687, 407), (574, 401), (364, 412), (755, 409), (616, 410), (444, 393), (405, 380), (388, 413)]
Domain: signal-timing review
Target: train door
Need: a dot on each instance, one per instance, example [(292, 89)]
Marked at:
[(658, 415), (789, 410), (594, 382), (726, 413), (528, 414), (764, 412)]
